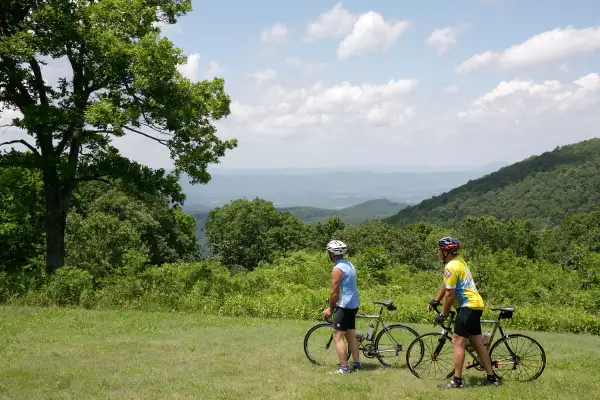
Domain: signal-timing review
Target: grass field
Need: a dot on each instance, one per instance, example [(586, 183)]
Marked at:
[(80, 354)]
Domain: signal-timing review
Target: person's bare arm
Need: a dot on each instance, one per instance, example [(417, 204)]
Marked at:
[(448, 300), (441, 292), (336, 278)]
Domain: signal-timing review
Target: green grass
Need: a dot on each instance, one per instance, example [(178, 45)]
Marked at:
[(82, 354)]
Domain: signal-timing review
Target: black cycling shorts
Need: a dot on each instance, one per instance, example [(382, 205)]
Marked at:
[(468, 322), (344, 319)]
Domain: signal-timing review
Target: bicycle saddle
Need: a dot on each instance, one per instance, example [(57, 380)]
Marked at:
[(504, 308), (385, 303)]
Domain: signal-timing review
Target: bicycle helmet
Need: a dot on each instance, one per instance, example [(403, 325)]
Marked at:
[(449, 244), (337, 248)]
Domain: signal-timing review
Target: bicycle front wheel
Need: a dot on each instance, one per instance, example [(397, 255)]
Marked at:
[(431, 356), (392, 342), (319, 346), (518, 357)]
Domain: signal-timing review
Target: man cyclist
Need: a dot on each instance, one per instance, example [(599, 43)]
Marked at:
[(458, 289), (344, 295)]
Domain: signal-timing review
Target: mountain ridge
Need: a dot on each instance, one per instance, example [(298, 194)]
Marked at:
[(540, 187)]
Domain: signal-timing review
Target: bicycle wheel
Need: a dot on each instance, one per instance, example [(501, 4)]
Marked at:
[(518, 357), (319, 346), (430, 357), (391, 342)]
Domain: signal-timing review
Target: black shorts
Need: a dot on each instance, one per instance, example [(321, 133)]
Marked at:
[(344, 319), (468, 322)]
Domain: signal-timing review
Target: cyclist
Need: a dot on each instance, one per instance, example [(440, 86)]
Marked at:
[(344, 296), (458, 289)]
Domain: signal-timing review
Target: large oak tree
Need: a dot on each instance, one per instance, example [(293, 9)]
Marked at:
[(124, 80)]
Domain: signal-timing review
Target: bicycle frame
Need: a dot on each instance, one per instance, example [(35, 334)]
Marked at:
[(468, 347), (362, 339)]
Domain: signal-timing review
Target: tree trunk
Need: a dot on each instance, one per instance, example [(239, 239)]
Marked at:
[(57, 206)]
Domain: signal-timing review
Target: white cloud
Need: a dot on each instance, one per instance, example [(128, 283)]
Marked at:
[(278, 33), (307, 66), (263, 75), (444, 39), (520, 99), (281, 110), (547, 47), (450, 89), (371, 33), (191, 68), (213, 71), (335, 23)]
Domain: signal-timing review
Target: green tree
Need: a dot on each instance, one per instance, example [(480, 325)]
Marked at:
[(117, 232), (21, 217), (326, 231), (403, 245), (243, 233), (124, 80)]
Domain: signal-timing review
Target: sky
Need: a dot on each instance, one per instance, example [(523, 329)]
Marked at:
[(382, 83)]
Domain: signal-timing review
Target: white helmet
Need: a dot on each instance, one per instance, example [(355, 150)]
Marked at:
[(337, 247)]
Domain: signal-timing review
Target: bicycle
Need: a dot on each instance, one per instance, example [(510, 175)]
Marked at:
[(513, 357), (371, 345)]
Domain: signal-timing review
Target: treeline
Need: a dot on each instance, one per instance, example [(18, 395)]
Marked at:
[(129, 247)]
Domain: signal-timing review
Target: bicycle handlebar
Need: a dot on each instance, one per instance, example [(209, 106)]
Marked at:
[(450, 313)]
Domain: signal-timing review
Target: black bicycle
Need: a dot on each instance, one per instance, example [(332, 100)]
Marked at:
[(514, 357), (387, 344)]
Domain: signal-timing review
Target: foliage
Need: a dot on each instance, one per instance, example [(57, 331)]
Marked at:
[(244, 233), (116, 233), (542, 188), (547, 297), (403, 245), (21, 217), (124, 79)]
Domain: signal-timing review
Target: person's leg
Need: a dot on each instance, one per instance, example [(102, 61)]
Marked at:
[(351, 337), (474, 329), (458, 344), (339, 331)]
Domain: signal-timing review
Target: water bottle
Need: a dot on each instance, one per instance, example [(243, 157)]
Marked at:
[(370, 332), (486, 338)]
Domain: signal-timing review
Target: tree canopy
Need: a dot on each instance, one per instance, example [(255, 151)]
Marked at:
[(123, 80)]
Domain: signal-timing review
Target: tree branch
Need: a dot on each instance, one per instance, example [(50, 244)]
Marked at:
[(93, 178), (39, 80), (155, 129), (161, 141), (23, 142)]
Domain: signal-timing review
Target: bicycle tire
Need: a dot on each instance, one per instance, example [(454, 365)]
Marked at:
[(320, 325), (386, 330), (426, 354), (527, 338)]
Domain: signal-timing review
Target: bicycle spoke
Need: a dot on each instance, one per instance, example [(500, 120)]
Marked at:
[(527, 363), (391, 345), (319, 346), (422, 361)]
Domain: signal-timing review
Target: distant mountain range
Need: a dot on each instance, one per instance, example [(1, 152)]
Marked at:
[(371, 209), (542, 188), (323, 188)]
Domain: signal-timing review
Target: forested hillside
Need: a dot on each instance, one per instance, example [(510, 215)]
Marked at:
[(542, 188), (377, 208)]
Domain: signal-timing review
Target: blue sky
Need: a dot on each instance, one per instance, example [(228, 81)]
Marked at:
[(394, 83)]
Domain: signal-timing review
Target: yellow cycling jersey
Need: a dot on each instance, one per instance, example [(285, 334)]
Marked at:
[(458, 276)]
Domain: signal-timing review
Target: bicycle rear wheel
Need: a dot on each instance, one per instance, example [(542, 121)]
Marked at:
[(319, 346), (391, 342), (518, 357), (430, 357)]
